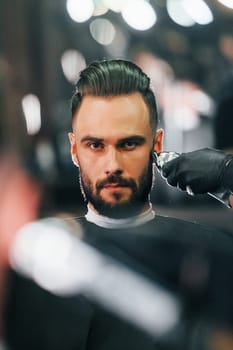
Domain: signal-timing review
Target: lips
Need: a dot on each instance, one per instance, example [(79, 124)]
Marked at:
[(113, 185)]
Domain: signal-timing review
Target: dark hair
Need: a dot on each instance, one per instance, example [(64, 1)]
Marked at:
[(111, 78)]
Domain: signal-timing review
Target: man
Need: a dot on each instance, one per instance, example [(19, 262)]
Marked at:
[(114, 136)]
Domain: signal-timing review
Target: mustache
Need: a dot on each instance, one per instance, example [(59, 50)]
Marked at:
[(116, 179)]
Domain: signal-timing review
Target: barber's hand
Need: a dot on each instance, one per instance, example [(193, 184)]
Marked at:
[(200, 171)]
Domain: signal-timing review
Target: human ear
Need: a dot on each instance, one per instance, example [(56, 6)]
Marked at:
[(158, 141), (73, 148)]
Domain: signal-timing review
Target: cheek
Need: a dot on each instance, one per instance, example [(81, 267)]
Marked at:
[(85, 163), (137, 168), (88, 171)]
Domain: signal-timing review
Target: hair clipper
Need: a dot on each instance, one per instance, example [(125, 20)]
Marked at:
[(162, 158)]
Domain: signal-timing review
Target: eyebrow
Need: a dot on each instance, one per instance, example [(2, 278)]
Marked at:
[(135, 138), (91, 139)]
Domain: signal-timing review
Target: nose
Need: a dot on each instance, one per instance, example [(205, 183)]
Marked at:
[(113, 163)]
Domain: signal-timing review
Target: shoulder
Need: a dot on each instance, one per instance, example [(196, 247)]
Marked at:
[(173, 223), (192, 232)]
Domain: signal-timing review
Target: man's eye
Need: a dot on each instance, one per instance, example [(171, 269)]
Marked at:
[(96, 145), (129, 145)]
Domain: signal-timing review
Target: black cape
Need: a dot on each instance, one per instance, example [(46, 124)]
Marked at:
[(171, 252)]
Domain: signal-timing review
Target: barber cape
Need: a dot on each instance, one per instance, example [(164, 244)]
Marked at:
[(187, 259)]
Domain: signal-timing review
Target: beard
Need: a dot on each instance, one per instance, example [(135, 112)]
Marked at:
[(132, 206)]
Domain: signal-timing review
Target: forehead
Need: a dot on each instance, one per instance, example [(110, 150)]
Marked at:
[(123, 114)]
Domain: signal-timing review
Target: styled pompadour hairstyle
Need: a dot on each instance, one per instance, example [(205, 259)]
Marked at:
[(112, 78)]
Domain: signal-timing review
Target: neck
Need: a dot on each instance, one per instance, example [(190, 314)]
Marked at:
[(144, 216)]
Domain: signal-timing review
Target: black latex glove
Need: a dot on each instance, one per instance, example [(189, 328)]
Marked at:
[(203, 171)]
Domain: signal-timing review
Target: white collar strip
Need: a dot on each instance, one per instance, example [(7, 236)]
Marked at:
[(106, 222)]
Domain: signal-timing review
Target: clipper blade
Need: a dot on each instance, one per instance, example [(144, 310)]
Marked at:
[(164, 157)]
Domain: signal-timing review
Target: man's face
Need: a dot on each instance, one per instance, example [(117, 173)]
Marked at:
[(112, 144)]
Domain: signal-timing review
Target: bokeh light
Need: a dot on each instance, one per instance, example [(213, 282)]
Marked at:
[(72, 62), (178, 13), (139, 14), (114, 5), (100, 8), (102, 30), (198, 11), (227, 3), (32, 114), (80, 11)]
